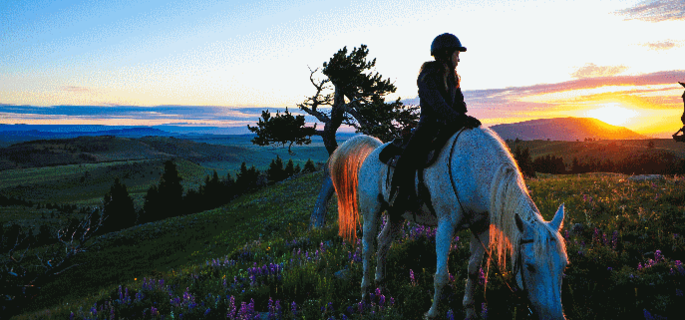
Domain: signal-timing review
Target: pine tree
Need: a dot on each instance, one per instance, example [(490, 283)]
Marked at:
[(350, 93), (525, 163), (166, 199), (247, 179), (275, 172), (118, 208), (289, 168), (309, 166)]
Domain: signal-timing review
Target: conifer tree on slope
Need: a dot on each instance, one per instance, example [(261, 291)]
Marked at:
[(350, 93)]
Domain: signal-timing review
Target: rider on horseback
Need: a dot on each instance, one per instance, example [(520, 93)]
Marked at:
[(681, 137), (442, 106)]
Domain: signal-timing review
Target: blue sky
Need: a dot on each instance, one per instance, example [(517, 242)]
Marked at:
[(228, 56)]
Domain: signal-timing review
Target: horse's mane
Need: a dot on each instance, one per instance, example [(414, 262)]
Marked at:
[(509, 196)]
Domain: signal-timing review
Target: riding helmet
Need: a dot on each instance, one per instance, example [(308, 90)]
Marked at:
[(446, 41)]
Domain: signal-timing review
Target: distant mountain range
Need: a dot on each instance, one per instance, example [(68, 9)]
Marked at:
[(564, 129), (558, 129)]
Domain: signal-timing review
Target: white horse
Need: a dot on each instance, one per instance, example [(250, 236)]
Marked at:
[(475, 183)]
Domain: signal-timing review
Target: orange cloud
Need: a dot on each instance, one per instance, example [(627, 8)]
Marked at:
[(592, 70), (655, 95)]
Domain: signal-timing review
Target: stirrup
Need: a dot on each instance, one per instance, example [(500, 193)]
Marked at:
[(393, 196)]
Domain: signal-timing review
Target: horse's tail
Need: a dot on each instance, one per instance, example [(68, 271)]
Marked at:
[(344, 165)]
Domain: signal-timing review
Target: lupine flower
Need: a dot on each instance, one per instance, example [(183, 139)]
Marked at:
[(411, 277), (678, 292), (484, 311), (293, 308), (657, 256), (481, 277), (231, 308), (450, 314)]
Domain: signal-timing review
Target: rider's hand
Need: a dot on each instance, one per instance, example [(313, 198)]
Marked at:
[(471, 122)]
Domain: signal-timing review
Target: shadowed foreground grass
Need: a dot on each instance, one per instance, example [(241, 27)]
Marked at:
[(257, 257)]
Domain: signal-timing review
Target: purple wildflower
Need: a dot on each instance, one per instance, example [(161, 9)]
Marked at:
[(207, 311), (609, 269), (658, 256), (484, 311), (411, 277), (481, 276), (450, 314), (678, 292), (293, 308), (231, 309)]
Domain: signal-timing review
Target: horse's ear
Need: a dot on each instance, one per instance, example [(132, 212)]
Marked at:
[(558, 219), (519, 222)]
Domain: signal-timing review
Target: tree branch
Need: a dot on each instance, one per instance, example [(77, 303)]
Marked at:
[(311, 104)]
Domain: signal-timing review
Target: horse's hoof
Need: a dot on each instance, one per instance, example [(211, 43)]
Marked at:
[(428, 315)]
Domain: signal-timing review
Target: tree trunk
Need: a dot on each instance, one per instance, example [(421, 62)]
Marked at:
[(318, 217)]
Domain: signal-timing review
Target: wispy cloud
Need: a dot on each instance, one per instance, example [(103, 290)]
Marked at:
[(75, 89), (655, 10), (662, 45), (592, 70), (196, 115)]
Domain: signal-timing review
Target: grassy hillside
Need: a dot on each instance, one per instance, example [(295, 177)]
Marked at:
[(86, 184), (259, 247), (601, 149)]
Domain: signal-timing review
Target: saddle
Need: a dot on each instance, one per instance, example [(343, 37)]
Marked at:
[(392, 152)]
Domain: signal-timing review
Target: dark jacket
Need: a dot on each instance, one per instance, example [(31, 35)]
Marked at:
[(440, 94)]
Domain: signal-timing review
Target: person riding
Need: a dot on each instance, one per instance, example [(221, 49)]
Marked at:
[(682, 119), (442, 106)]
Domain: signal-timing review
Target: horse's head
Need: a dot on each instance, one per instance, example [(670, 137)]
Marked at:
[(540, 264)]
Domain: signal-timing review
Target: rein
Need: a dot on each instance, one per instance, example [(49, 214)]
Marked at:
[(520, 295)]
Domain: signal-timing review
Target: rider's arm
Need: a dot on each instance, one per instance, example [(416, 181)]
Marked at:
[(430, 95)]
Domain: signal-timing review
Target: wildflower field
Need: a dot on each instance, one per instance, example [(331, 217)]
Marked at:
[(256, 258)]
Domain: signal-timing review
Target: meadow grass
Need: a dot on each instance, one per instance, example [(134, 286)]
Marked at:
[(624, 239), (86, 184)]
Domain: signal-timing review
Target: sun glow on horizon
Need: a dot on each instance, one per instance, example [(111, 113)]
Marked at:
[(613, 114)]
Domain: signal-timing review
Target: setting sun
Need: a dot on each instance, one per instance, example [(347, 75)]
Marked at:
[(612, 114)]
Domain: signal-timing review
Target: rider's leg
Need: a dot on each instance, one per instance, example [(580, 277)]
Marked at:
[(414, 154)]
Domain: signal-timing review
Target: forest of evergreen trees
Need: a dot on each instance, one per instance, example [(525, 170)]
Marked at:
[(652, 162), (168, 199)]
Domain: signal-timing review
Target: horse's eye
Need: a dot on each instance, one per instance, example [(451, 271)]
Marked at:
[(530, 268)]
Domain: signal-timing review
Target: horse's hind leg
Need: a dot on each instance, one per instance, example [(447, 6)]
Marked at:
[(443, 241), (475, 261), (393, 226), (372, 214)]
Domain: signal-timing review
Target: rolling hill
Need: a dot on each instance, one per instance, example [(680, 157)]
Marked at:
[(564, 129), (96, 149)]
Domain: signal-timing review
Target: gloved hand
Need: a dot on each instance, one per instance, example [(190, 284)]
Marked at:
[(471, 122)]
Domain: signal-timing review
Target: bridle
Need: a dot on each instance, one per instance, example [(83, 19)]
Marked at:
[(522, 293)]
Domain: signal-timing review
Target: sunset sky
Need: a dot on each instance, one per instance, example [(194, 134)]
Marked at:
[(219, 63)]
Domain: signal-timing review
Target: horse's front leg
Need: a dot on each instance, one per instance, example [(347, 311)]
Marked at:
[(393, 226), (443, 240), (475, 261), (370, 230)]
